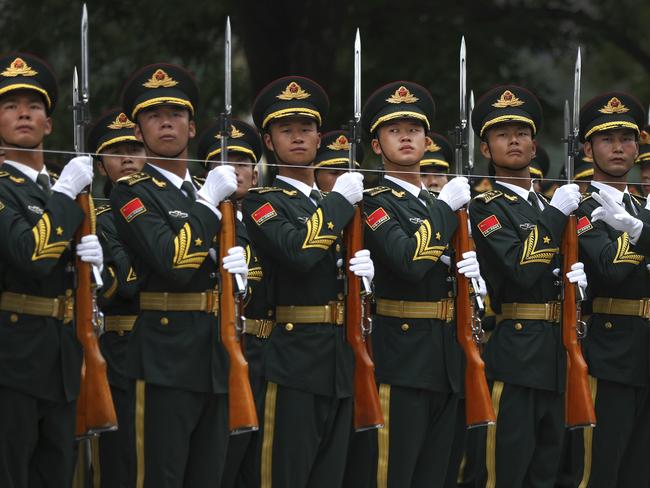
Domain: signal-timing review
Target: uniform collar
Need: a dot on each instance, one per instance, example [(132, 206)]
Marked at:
[(409, 187), (523, 193), (173, 178), (298, 185), (617, 195), (31, 173)]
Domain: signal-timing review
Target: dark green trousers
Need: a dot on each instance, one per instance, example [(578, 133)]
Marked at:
[(36, 441), (181, 437), (305, 439)]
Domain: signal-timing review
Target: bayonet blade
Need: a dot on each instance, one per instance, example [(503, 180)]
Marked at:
[(463, 82), (568, 157), (576, 93), (228, 69), (75, 111), (85, 91), (357, 77), (470, 133)]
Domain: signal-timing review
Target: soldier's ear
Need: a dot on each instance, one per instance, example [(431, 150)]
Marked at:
[(589, 150), (319, 138), (192, 129), (534, 148), (48, 127), (485, 150), (376, 147), (268, 142), (428, 141), (137, 132)]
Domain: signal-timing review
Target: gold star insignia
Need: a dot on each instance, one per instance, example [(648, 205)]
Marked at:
[(198, 242), (330, 225), (59, 231), (438, 236), (547, 240)]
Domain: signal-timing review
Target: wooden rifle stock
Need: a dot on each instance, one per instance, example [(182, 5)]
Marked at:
[(367, 410), (579, 406), (95, 408), (242, 415), (478, 403)]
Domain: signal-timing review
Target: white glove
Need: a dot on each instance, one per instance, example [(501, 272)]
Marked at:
[(235, 262), (89, 250), (482, 287), (577, 275), (220, 183), (647, 204), (566, 198), (76, 176), (468, 266), (350, 185), (616, 216), (455, 193), (361, 265)]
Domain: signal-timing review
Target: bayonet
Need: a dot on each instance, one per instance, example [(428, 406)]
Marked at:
[(355, 136), (461, 127), (568, 147), (470, 135), (227, 96), (85, 92)]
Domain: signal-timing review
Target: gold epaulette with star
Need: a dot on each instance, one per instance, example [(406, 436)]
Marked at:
[(134, 178), (102, 209), (488, 196), (267, 189)]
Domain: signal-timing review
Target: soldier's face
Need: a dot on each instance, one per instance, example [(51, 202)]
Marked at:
[(23, 119), (325, 178), (401, 142), (510, 146), (645, 178), (122, 159), (434, 182), (613, 151), (294, 140), (245, 172), (165, 130)]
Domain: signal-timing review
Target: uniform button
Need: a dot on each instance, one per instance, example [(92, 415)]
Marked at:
[(518, 326), (289, 326), (608, 325), (450, 294), (340, 296), (269, 313), (68, 293), (13, 318), (338, 248), (405, 327), (164, 321)]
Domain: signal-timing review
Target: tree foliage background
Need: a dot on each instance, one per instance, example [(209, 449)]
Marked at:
[(527, 42)]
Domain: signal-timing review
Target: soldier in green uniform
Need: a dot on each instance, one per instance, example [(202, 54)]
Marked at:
[(517, 235), (332, 158), (417, 357), (296, 230), (614, 243), (118, 154), (40, 357), (168, 228), (643, 160), (434, 167), (244, 152)]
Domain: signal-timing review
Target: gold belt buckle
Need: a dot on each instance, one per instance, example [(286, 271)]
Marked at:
[(265, 329), (212, 299), (447, 309), (67, 303), (645, 308), (552, 312), (339, 313)]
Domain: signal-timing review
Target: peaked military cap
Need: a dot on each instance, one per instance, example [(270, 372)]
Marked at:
[(506, 103), (398, 100), (22, 71), (159, 84), (540, 164), (290, 96), (334, 151), (439, 154), (244, 139), (612, 110), (644, 146), (583, 167), (111, 128)]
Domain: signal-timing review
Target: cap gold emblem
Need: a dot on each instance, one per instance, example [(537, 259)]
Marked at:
[(614, 106), (402, 95), (234, 133), (121, 122), (340, 144), (293, 91), (160, 79), (19, 67), (507, 99), (433, 147)]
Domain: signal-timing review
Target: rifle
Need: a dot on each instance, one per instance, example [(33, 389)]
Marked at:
[(242, 415), (579, 406), (95, 409), (367, 410), (478, 403)]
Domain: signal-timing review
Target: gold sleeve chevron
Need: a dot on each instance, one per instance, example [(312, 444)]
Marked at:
[(623, 253), (255, 273), (532, 254), (131, 276), (183, 259), (423, 250), (314, 237), (43, 248)]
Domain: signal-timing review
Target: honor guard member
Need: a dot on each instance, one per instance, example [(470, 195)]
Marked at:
[(296, 229), (119, 154), (244, 152), (518, 235), (332, 158), (174, 351), (434, 167), (417, 357), (40, 357), (644, 160), (614, 244)]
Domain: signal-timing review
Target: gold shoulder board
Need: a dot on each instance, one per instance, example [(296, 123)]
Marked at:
[(377, 190), (102, 209), (134, 178), (488, 196)]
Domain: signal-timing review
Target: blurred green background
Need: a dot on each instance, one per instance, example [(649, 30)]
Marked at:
[(532, 43)]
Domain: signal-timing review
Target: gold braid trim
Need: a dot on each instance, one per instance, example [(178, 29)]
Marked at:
[(314, 237), (183, 259), (423, 250), (623, 253), (43, 248), (532, 254)]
